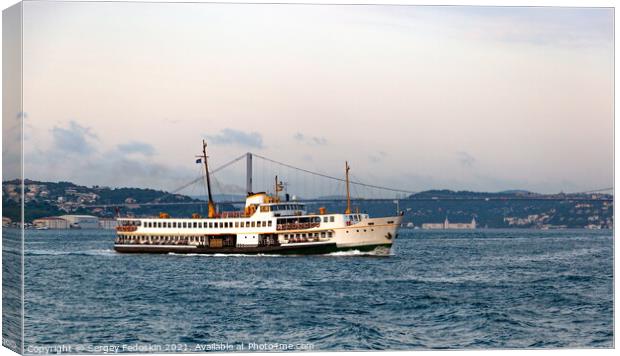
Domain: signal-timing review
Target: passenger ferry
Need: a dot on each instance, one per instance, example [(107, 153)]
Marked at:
[(266, 225)]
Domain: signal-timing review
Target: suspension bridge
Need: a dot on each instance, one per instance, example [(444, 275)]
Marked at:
[(258, 174)]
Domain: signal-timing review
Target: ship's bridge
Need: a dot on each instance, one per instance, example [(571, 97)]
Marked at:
[(284, 208), (272, 206)]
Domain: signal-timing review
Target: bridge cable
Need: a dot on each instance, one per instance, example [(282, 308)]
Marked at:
[(334, 178)]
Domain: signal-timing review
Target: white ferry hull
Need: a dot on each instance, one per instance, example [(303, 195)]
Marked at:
[(364, 236)]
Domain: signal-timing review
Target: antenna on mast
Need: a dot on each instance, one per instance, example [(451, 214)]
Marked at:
[(346, 171)]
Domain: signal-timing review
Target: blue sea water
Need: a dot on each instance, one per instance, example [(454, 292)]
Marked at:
[(437, 289)]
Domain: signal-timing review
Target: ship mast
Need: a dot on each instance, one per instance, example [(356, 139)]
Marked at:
[(346, 170), (204, 157)]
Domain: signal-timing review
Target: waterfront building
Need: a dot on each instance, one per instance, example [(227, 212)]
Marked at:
[(107, 223), (450, 225), (82, 221), (51, 222), (433, 226)]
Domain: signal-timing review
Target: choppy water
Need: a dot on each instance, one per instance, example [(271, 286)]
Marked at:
[(456, 289)]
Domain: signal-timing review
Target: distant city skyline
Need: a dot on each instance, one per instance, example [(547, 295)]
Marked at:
[(414, 97)]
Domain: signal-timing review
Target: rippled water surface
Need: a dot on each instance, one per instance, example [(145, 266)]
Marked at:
[(443, 289)]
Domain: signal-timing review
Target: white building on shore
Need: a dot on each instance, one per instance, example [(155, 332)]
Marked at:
[(82, 221), (447, 225), (51, 222)]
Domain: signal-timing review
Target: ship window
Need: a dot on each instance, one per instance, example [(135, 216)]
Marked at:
[(390, 222), (236, 224), (269, 223), (371, 223), (243, 224), (325, 219), (322, 233), (331, 218), (264, 224), (195, 225), (220, 224), (329, 234), (210, 225), (253, 223), (264, 209)]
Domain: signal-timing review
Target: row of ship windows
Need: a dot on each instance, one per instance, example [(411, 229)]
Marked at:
[(210, 225), (164, 238), (310, 234), (268, 208)]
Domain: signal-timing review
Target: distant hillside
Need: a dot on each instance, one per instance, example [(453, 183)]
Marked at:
[(445, 193), (58, 198)]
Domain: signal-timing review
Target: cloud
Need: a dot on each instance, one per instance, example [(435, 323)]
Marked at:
[(74, 139), (137, 147), (235, 137), (465, 159), (310, 140), (107, 167)]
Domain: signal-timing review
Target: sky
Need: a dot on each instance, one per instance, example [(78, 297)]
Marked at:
[(414, 97)]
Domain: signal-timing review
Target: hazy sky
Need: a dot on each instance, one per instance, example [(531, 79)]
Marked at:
[(416, 97)]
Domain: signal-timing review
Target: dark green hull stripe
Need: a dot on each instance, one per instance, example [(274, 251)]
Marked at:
[(277, 250)]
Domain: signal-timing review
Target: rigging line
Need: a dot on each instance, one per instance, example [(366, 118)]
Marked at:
[(335, 178), (199, 178)]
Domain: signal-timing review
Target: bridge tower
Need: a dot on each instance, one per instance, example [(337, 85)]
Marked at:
[(248, 172)]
